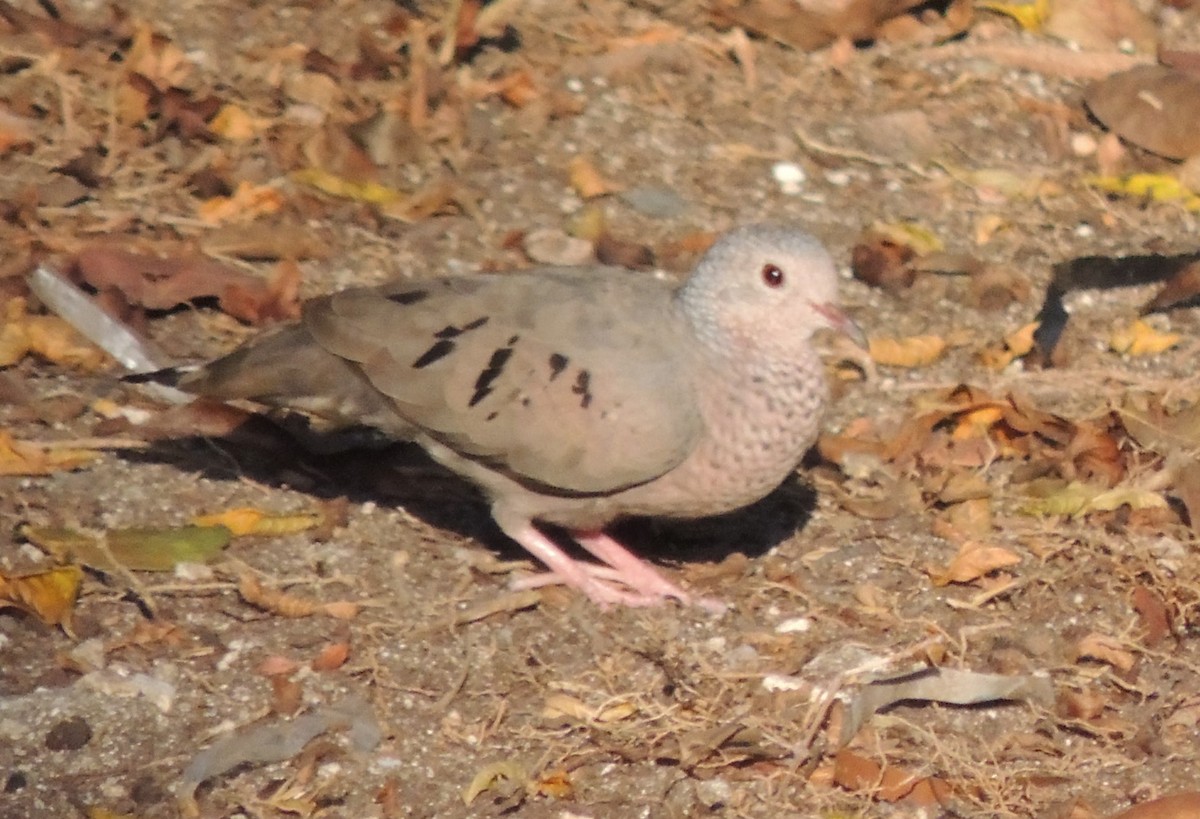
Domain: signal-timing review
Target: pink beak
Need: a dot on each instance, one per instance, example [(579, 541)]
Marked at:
[(841, 322)]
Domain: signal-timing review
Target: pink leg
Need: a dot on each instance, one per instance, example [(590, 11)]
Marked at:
[(637, 573), (581, 576)]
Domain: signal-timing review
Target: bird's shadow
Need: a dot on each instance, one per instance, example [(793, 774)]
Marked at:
[(361, 466)]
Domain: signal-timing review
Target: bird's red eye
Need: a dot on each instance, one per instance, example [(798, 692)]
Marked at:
[(772, 275)]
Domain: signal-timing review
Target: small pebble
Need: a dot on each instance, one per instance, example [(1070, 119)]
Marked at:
[(549, 246), (655, 202), (69, 735), (794, 625), (839, 178), (789, 176), (1083, 144)]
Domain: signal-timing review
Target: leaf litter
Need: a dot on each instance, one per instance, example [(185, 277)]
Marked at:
[(377, 139)]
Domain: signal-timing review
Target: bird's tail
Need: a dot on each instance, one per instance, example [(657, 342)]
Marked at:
[(283, 368)]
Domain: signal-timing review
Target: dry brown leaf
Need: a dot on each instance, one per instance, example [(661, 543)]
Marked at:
[(1177, 806), (48, 337), (49, 595), (810, 24), (27, 458), (1148, 423), (163, 282), (563, 705), (892, 784), (1154, 107), (974, 561), (1156, 620), (247, 203), (970, 519), (555, 784), (156, 58), (913, 351), (285, 604), (1088, 704), (331, 657), (1096, 646)]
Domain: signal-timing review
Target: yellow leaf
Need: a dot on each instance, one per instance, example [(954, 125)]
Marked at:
[(49, 595), (1129, 496), (141, 549), (1030, 16), (919, 238), (233, 123), (977, 422), (49, 337), (250, 521), (370, 192), (1075, 499), (506, 776), (913, 351), (248, 202), (1140, 338), (587, 180), (1016, 344), (1153, 186)]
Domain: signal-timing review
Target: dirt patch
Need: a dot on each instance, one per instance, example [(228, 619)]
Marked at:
[(561, 707)]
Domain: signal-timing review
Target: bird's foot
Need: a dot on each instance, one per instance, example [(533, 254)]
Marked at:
[(621, 578)]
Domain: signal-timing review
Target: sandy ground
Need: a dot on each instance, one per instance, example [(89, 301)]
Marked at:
[(574, 711)]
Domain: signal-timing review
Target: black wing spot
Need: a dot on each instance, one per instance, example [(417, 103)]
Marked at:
[(495, 366), (513, 340), (582, 388), (438, 351), (409, 296), (492, 416), (450, 331), (558, 363)]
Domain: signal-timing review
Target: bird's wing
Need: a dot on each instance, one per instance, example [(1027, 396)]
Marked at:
[(575, 381)]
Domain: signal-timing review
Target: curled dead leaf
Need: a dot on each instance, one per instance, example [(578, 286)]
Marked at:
[(249, 521), (28, 458), (48, 337), (1154, 107), (974, 561), (1106, 649), (506, 777), (913, 351), (1175, 806)]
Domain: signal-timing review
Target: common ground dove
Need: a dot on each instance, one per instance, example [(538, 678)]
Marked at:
[(575, 397)]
